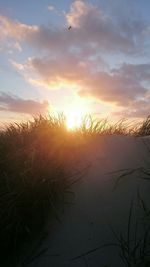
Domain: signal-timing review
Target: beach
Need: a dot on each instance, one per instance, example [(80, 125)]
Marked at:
[(99, 205)]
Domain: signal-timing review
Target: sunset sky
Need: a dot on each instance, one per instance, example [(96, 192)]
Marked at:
[(100, 66)]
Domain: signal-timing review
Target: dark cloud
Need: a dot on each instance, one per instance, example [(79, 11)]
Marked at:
[(16, 104)]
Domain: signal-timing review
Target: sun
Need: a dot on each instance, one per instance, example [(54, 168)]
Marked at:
[(74, 117), (74, 120)]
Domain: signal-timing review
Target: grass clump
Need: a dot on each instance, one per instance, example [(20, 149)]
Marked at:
[(35, 173), (144, 128), (33, 181), (96, 127)]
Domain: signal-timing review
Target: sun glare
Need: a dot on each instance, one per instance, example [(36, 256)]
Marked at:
[(74, 117), (73, 120)]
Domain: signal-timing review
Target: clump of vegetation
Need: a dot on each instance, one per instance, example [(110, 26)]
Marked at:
[(144, 128), (35, 174), (96, 127), (33, 180)]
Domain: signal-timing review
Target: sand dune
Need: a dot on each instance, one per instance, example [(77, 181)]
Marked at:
[(96, 207)]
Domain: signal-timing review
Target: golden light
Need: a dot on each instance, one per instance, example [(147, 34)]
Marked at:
[(74, 116), (73, 120)]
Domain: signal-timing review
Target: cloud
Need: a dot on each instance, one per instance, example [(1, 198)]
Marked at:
[(119, 86), (140, 106), (78, 10), (122, 86), (91, 28), (14, 29), (15, 104), (138, 109), (13, 33), (51, 8), (140, 72), (113, 89), (74, 57), (105, 31)]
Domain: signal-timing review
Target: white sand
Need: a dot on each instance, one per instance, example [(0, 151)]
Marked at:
[(86, 223)]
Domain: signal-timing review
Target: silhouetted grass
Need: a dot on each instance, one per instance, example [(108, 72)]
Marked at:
[(34, 177), (144, 128), (95, 127), (35, 172)]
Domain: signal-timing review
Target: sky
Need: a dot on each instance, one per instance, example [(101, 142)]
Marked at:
[(100, 66)]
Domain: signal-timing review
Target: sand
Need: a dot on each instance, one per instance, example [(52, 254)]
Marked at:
[(97, 207)]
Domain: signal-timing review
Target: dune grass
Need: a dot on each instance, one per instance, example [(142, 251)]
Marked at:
[(33, 180), (144, 128), (35, 174), (91, 127)]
